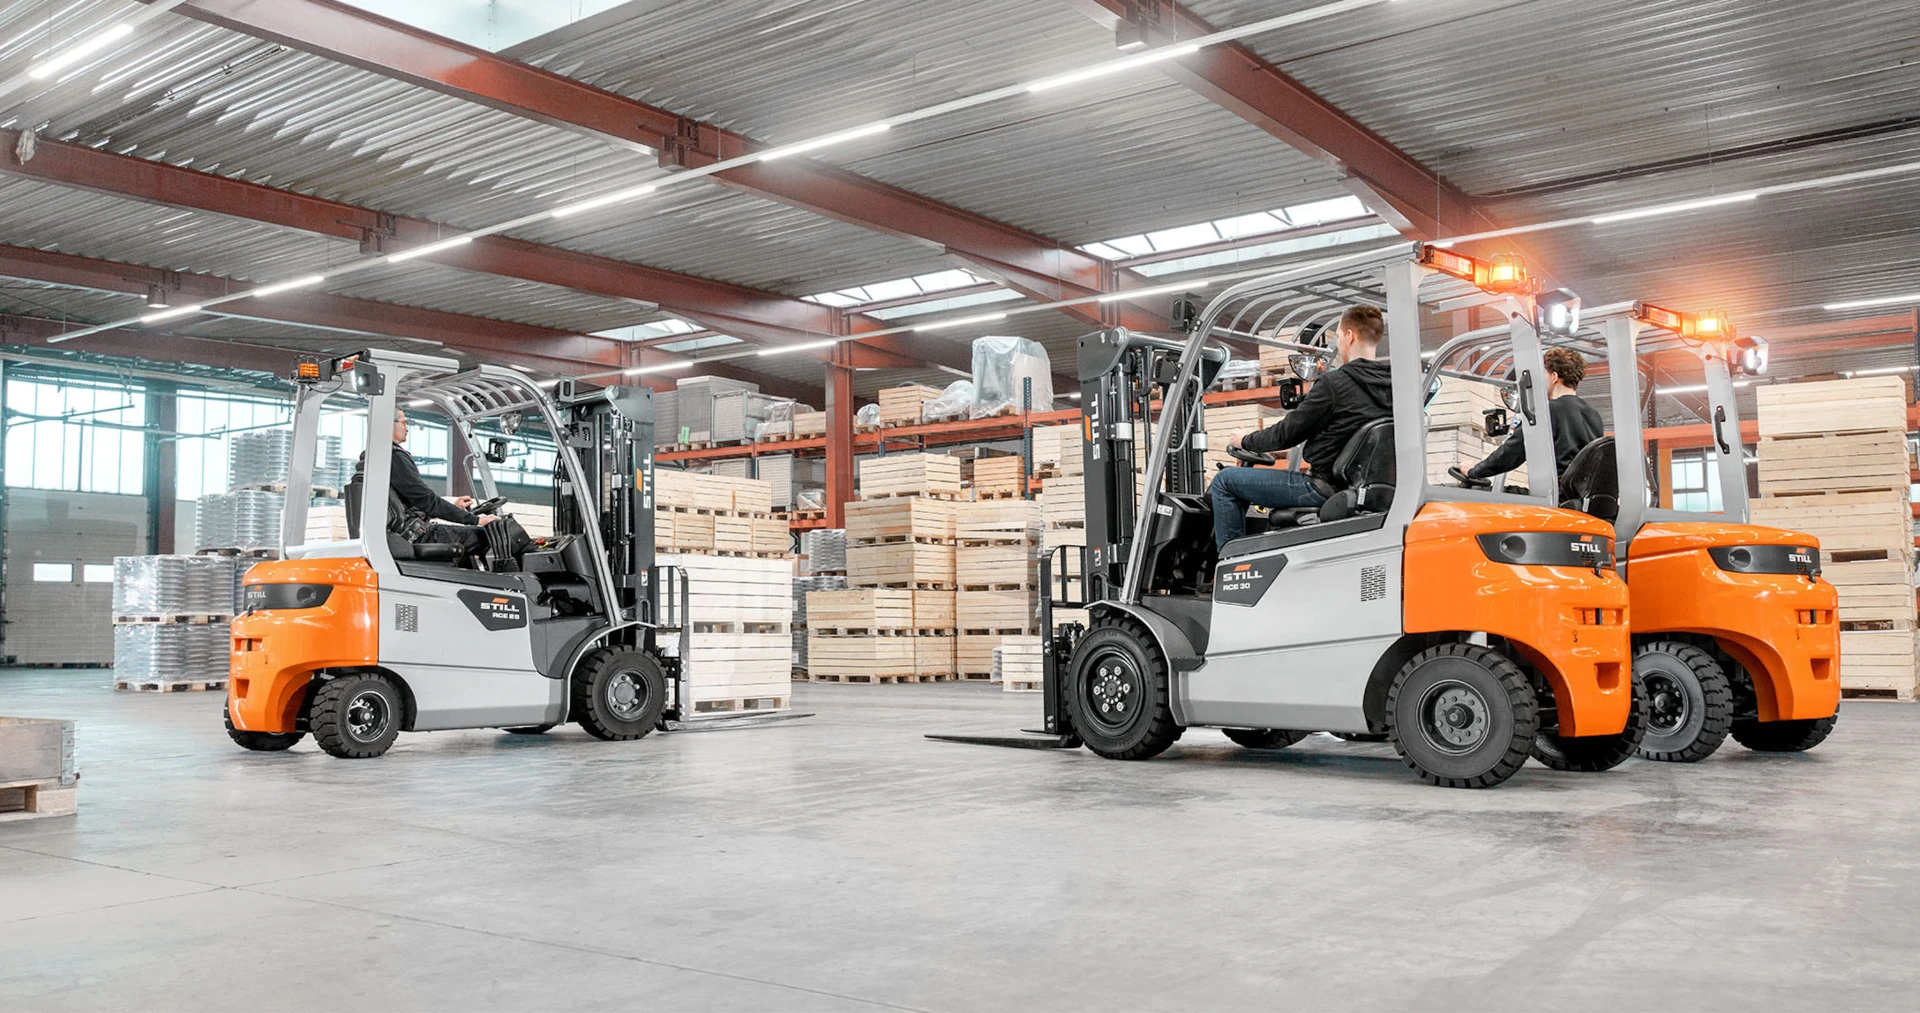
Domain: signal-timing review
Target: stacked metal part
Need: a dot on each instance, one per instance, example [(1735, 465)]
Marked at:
[(792, 475), (171, 652), (666, 417), (734, 468), (213, 522), (256, 519), (801, 585), (695, 402), (330, 470), (176, 585), (825, 549), (737, 414), (258, 458)]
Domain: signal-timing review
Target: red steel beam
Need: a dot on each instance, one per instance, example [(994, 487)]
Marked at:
[(32, 331), (1034, 265)]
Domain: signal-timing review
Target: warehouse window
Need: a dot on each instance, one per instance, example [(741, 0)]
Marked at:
[(75, 436), (1696, 482), (53, 573), (97, 573), (207, 423)]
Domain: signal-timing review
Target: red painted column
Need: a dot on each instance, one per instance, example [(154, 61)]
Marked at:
[(840, 409)]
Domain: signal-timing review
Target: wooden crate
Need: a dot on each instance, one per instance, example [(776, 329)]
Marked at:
[(684, 490), (326, 524), (935, 475), (832, 658), (869, 609), (900, 406), (1879, 661), (933, 610), (1063, 503), (1001, 563), (1825, 464), (1875, 403), (1462, 404), (770, 534), (1873, 591), (1221, 423), (37, 773), (899, 519), (994, 611), (751, 495), (808, 424), (973, 655), (1056, 450), (732, 534), (999, 477), (1011, 520), (725, 590), (926, 565), (933, 656), (1847, 523), (1020, 668), (689, 530)]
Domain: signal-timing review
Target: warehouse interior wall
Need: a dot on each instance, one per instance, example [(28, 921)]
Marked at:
[(52, 621)]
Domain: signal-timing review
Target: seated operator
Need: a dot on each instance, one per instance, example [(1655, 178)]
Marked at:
[(417, 498), (1575, 423), (1339, 403)]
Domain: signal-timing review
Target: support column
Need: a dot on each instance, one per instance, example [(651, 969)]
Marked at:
[(162, 466), (840, 409)]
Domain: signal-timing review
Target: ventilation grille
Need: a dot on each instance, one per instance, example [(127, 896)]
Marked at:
[(406, 618), (1373, 583)]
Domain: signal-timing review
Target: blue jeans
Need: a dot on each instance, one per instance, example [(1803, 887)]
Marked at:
[(1234, 489)]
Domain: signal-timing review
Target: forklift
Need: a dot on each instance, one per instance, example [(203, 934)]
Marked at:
[(1734, 630), (1466, 626), (357, 641)]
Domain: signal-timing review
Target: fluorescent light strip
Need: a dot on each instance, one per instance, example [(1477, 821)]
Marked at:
[(1860, 304), (1877, 371), (1157, 290), (817, 143), (568, 210), (287, 286), (1171, 52), (1696, 388), (430, 249), (172, 314), (661, 368), (982, 318), (805, 346), (78, 52), (1674, 209)]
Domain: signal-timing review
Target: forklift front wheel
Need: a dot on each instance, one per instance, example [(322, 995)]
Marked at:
[(619, 694), (1462, 716), (1264, 738), (1117, 693), (1689, 701)]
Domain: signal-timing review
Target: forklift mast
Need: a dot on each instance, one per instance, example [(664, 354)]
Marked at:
[(611, 432)]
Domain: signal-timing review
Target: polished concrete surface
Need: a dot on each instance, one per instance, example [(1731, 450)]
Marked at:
[(844, 862)]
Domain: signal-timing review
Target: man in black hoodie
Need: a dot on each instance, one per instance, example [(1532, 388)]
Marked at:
[(1575, 423), (418, 498), (1339, 403)]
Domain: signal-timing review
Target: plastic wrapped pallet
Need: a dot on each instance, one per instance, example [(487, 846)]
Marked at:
[(213, 521), (1000, 365), (953, 403), (170, 653), (256, 519), (737, 414), (172, 585), (825, 549), (666, 417), (258, 457), (695, 404)]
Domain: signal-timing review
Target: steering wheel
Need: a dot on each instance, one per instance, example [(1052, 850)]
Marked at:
[(1467, 482), (488, 506), (1250, 456)]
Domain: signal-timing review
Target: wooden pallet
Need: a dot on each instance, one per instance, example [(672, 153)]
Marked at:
[(742, 627), (914, 585), (996, 631), (181, 686), (859, 679), (1832, 407), (174, 619), (255, 553), (32, 800), (1005, 585), (1253, 381), (1023, 685), (730, 705)]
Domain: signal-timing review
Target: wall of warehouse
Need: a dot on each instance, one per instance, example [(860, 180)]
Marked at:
[(65, 617)]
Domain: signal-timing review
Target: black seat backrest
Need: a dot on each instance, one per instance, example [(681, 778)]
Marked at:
[(1363, 474), (1591, 483), (356, 489)]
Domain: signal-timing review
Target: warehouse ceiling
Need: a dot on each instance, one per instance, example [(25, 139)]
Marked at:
[(166, 155)]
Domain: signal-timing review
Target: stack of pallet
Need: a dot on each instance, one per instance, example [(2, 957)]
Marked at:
[(996, 477), (716, 513), (1056, 451), (998, 571), (1457, 429), (170, 616), (1834, 464), (900, 406), (1017, 665), (739, 633), (862, 635), (1063, 516), (823, 560)]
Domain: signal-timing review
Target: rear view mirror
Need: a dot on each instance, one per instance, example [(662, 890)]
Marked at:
[(1292, 390), (496, 452), (1497, 424)]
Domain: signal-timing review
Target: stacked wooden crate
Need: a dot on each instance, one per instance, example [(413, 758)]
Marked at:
[(716, 513), (900, 406), (1834, 464), (809, 424), (997, 477), (1063, 513), (900, 542), (861, 635), (997, 564), (1222, 422), (740, 644), (1017, 664), (1276, 364), (1457, 429), (1056, 451)]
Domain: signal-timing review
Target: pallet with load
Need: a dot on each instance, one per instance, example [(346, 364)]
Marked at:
[(1017, 665), (901, 405), (996, 478), (738, 623), (935, 476), (1056, 450), (37, 774), (1462, 404), (904, 542)]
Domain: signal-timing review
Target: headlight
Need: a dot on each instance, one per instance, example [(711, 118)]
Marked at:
[(286, 596), (1549, 548), (1797, 559)]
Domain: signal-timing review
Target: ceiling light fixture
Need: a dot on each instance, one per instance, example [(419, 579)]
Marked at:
[(805, 346), (1674, 209), (430, 249), (287, 286), (179, 311), (618, 196), (1112, 67), (661, 368), (820, 142), (1877, 371), (1860, 304), (1157, 290), (75, 53), (982, 318)]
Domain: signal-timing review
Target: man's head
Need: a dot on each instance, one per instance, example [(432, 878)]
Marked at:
[(399, 426), (1361, 328), (1567, 367)]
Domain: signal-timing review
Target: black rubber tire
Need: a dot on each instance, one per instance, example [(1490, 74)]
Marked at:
[(1118, 662), (1264, 738), (619, 694), (1358, 736), (529, 730), (1783, 736), (356, 717), (1591, 754), (1510, 719), (259, 742), (1689, 701)]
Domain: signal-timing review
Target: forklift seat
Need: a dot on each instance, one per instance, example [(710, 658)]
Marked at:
[(1363, 475), (401, 549), (1591, 484)]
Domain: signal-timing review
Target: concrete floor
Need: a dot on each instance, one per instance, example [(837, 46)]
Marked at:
[(844, 862)]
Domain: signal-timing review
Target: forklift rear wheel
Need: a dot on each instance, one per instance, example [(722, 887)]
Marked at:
[(1462, 716), (1689, 701), (619, 694), (1591, 754), (1783, 736), (529, 730), (1117, 692), (260, 742), (356, 717), (1264, 738)]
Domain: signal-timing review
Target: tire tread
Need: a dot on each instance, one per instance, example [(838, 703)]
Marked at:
[(1526, 719)]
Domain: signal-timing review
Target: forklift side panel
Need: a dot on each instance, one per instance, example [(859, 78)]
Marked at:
[(1780, 627), (276, 652), (1568, 621), (467, 666)]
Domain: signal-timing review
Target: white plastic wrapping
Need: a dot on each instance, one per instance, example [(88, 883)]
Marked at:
[(1240, 367), (953, 403), (172, 585), (867, 416), (810, 499), (1000, 364)]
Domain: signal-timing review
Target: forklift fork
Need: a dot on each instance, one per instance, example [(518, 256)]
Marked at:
[(1057, 732)]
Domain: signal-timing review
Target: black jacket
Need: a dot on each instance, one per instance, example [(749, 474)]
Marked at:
[(414, 491), (1338, 404), (1575, 424)]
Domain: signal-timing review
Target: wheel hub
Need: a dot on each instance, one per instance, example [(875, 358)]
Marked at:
[(1113, 690), (626, 695), (1666, 705), (367, 716), (1455, 717)]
